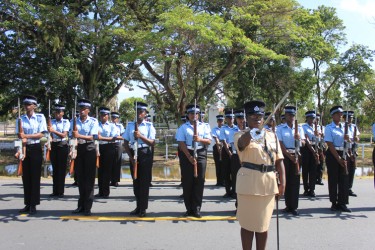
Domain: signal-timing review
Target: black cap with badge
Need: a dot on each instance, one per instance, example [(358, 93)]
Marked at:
[(254, 107)]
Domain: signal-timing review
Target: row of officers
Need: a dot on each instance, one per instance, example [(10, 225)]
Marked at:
[(193, 138)]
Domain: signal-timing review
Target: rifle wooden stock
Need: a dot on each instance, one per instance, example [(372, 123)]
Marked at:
[(195, 149), (296, 147), (135, 169), (71, 167), (345, 151), (97, 152), (73, 145), (21, 155)]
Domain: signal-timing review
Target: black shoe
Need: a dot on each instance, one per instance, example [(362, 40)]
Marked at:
[(105, 196), (60, 196), (233, 196), (181, 196), (74, 184), (344, 208), (188, 213), (286, 210), (98, 195), (294, 212), (312, 193), (32, 210), (306, 193), (26, 209), (180, 184), (227, 195), (351, 193), (151, 185), (87, 213), (53, 195), (142, 213), (78, 210), (217, 184), (135, 211), (115, 184), (319, 183), (197, 214), (334, 207)]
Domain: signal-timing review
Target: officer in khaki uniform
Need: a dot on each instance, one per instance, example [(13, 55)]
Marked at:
[(260, 154)]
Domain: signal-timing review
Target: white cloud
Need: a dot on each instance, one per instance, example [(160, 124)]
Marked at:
[(364, 8)]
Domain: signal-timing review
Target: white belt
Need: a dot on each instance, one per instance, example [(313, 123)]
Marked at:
[(312, 143), (339, 148), (291, 151), (192, 148), (105, 142), (81, 141), (234, 151), (117, 141), (55, 140), (30, 141), (141, 145)]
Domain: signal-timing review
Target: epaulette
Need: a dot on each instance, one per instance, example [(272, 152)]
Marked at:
[(39, 114), (93, 119)]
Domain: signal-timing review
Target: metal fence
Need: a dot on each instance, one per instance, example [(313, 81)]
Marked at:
[(7, 128)]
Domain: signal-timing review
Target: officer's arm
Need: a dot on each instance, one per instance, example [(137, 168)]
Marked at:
[(244, 141)]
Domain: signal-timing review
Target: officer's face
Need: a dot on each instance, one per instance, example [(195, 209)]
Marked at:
[(229, 120), (336, 117), (310, 120), (191, 116), (240, 120), (114, 119), (59, 114), (254, 120), (103, 117), (220, 122), (141, 113), (29, 107), (83, 111), (289, 118)]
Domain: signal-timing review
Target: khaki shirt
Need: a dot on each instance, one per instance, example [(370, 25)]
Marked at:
[(253, 182)]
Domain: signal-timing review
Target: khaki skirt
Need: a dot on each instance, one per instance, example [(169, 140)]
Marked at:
[(254, 212)]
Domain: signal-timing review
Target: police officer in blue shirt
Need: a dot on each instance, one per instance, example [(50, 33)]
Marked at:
[(145, 137), (34, 128), (352, 128), (235, 163), (338, 179), (116, 170), (310, 156), (227, 132), (269, 125), (85, 162), (193, 186), (107, 140), (217, 150), (179, 152), (287, 137), (321, 150), (59, 149)]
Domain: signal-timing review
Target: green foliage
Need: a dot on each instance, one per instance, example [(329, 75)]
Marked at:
[(127, 110)]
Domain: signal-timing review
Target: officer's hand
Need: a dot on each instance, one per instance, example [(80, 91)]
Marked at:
[(316, 155), (137, 134), (75, 134), (346, 138), (356, 139), (343, 163), (196, 138), (281, 191), (21, 135), (192, 160), (297, 136)]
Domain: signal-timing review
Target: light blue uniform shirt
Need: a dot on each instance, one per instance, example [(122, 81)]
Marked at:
[(145, 128), (227, 134), (60, 126), (351, 129), (285, 134), (215, 132), (185, 133), (88, 127), (108, 129), (334, 134), (309, 131), (36, 124), (120, 128)]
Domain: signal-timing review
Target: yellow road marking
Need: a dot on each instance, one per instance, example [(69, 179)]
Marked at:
[(166, 218)]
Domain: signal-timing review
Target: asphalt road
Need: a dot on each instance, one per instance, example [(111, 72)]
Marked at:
[(111, 227)]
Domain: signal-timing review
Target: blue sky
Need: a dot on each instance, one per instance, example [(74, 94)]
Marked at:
[(358, 17)]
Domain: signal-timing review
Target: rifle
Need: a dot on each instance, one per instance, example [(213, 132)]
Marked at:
[(316, 137), (135, 145), (73, 140), (194, 142), (296, 143), (321, 141), (346, 144), (355, 145), (19, 144), (97, 144), (47, 146)]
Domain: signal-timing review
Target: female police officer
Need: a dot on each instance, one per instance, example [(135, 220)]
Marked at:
[(34, 127), (259, 152)]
